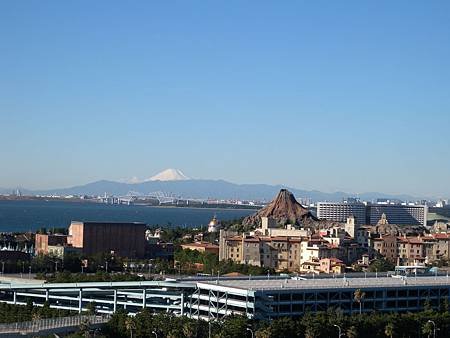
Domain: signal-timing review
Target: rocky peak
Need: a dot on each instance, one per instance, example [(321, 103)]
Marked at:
[(284, 209)]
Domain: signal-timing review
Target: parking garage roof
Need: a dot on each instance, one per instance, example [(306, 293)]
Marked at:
[(330, 283)]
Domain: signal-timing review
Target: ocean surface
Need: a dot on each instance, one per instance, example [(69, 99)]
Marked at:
[(32, 215)]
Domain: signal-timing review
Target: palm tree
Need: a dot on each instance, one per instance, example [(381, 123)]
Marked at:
[(312, 331), (36, 316), (352, 332), (189, 330), (427, 329), (263, 333), (359, 296), (389, 330), (130, 325), (84, 327), (91, 308)]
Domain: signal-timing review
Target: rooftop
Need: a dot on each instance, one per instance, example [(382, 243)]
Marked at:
[(330, 283), (205, 245)]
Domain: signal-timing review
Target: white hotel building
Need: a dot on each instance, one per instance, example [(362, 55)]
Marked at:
[(340, 211)]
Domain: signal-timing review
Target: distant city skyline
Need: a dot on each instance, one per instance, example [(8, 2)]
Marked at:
[(329, 96)]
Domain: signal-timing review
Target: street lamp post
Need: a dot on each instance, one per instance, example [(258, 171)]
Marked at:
[(154, 332), (434, 328), (251, 331), (340, 330)]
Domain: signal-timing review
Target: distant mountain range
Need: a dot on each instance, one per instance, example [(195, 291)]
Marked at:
[(174, 182)]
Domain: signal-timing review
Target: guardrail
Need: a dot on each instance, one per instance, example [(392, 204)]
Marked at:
[(52, 323), (343, 283)]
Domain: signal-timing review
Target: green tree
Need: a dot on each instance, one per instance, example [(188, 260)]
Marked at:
[(84, 327), (311, 325), (389, 330), (116, 325), (427, 329), (352, 332), (264, 332), (283, 327), (444, 305), (189, 329), (234, 326), (72, 262), (36, 315), (381, 265), (427, 306), (130, 325), (91, 308)]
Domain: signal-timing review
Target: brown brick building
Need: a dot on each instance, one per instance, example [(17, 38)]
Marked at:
[(43, 241), (202, 247), (121, 239)]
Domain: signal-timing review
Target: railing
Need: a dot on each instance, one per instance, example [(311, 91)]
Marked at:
[(342, 283), (52, 323)]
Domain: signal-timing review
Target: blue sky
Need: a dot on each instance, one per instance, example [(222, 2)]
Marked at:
[(327, 95)]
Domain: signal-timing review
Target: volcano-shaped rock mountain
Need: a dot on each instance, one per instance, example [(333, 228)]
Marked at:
[(284, 209)]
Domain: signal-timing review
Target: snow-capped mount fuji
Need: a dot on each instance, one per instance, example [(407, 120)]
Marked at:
[(175, 182), (169, 175)]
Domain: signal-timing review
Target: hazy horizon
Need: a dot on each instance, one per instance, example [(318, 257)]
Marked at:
[(325, 96), (131, 181)]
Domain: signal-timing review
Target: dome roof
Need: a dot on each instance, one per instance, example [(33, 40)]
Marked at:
[(214, 221)]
